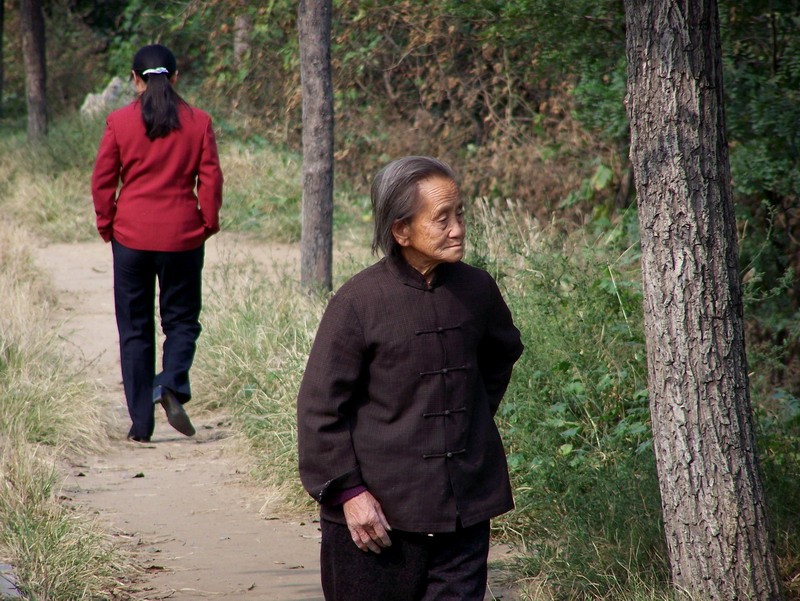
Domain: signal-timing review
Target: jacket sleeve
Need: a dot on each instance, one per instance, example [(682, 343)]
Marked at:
[(209, 182), (325, 404), (499, 348), (105, 180)]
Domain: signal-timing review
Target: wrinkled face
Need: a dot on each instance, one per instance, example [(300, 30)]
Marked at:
[(435, 234)]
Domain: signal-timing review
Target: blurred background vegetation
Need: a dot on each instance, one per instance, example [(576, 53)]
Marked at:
[(526, 98)]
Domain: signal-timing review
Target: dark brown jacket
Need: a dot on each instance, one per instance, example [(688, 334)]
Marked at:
[(399, 395)]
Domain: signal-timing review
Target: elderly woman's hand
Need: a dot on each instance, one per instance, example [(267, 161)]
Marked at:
[(368, 526)]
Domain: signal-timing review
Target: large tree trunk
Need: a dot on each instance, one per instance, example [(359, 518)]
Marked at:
[(715, 518), (316, 245), (33, 49)]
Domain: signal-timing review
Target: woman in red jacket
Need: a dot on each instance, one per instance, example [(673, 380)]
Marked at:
[(157, 191)]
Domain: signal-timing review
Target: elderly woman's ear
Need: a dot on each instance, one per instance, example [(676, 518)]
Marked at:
[(400, 231)]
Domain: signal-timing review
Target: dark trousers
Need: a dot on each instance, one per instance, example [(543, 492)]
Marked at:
[(417, 567), (179, 276)]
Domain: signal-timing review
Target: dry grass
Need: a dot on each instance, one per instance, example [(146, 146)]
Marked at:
[(257, 333), (57, 207), (46, 413), (39, 394), (262, 192), (58, 554)]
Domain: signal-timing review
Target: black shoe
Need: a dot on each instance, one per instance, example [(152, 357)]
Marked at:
[(133, 438), (176, 415)]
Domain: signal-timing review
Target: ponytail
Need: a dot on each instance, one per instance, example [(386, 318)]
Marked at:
[(155, 64), (160, 104)]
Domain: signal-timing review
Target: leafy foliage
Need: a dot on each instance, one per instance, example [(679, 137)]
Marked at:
[(526, 98), (762, 101), (575, 418)]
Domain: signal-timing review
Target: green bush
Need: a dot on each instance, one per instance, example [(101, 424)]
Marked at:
[(575, 418)]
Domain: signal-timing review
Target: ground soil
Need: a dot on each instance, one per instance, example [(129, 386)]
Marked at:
[(200, 527)]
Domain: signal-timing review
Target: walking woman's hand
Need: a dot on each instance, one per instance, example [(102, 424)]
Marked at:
[(368, 526)]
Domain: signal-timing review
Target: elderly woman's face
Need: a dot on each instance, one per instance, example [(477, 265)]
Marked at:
[(435, 234)]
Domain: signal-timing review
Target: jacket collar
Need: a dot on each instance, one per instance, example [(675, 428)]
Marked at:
[(409, 276)]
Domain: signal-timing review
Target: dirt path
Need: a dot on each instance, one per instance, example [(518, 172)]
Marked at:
[(180, 502), (202, 531)]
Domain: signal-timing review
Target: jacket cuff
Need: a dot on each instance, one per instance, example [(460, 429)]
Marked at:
[(345, 495), (333, 488)]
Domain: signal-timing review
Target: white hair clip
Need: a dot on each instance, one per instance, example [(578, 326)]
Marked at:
[(157, 71)]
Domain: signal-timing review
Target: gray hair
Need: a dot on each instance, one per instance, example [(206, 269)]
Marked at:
[(394, 195)]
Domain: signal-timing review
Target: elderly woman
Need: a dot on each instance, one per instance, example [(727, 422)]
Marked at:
[(396, 435)]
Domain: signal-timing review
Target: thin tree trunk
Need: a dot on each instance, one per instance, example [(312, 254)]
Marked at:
[(314, 28), (242, 36), (2, 59), (33, 50), (715, 516), (242, 40)]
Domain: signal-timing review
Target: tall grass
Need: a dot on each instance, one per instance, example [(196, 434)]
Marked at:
[(46, 412), (40, 397), (45, 186), (257, 332), (574, 419), (262, 192), (58, 554)]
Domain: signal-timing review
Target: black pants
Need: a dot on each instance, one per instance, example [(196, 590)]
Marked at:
[(417, 567), (179, 276)]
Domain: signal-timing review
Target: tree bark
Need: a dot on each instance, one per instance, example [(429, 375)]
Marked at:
[(33, 50), (242, 35), (316, 244), (2, 58), (715, 516)]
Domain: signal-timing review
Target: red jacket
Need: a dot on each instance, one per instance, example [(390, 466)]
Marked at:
[(171, 187)]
